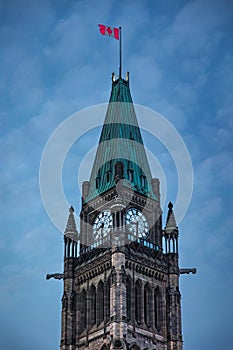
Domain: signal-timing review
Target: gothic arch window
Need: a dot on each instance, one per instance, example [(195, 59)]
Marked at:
[(128, 297), (147, 305), (107, 300), (157, 309), (83, 311), (100, 302), (138, 301), (73, 301), (92, 311)]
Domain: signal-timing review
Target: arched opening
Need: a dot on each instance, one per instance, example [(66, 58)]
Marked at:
[(138, 301), (92, 311), (157, 309), (147, 305), (100, 302), (83, 311), (128, 297), (107, 300)]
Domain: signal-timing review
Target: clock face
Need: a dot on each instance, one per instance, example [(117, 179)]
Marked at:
[(137, 223), (102, 225)]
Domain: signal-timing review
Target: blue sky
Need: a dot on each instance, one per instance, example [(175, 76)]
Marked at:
[(55, 63)]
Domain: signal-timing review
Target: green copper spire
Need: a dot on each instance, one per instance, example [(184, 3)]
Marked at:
[(120, 141)]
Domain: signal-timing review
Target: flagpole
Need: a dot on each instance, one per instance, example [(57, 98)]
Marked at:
[(120, 52)]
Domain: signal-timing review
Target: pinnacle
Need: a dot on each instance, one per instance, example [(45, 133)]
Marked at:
[(171, 221), (71, 230)]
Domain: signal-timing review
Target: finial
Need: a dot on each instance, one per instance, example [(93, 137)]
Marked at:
[(127, 76), (113, 76), (170, 205), (120, 37), (71, 209)]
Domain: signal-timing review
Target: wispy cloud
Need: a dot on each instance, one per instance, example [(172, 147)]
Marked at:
[(53, 63)]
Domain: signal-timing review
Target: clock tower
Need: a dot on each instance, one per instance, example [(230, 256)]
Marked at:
[(121, 290)]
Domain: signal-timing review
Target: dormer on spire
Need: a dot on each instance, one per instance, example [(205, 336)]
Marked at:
[(71, 236)]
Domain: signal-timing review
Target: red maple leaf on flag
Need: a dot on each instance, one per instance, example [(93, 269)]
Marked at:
[(109, 31)]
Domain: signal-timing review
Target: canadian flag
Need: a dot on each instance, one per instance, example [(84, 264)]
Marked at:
[(110, 31)]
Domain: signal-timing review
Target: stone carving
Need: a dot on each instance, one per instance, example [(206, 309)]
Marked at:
[(188, 271), (56, 276)]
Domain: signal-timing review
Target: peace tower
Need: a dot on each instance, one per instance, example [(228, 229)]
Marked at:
[(121, 283)]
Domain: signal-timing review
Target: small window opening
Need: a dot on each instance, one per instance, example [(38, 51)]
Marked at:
[(143, 181), (117, 219), (130, 175), (108, 176), (97, 182)]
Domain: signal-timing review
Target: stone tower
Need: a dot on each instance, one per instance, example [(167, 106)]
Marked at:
[(121, 291)]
